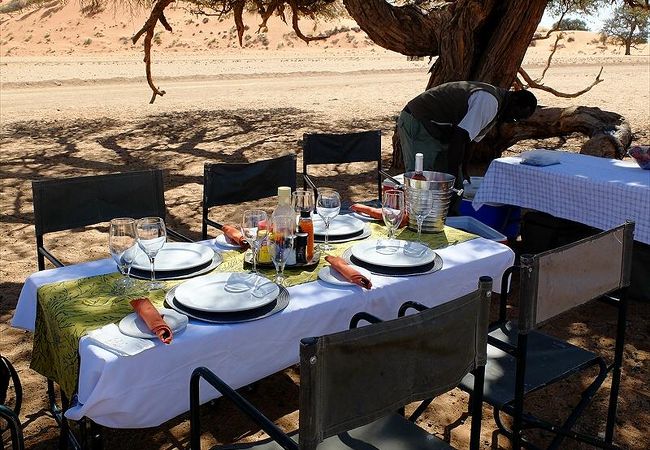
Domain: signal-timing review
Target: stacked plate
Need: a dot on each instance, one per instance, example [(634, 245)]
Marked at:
[(394, 257), (176, 260), (342, 229), (228, 297)]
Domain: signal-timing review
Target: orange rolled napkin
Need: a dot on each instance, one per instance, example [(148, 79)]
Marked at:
[(150, 315), (233, 235), (349, 273), (375, 213)]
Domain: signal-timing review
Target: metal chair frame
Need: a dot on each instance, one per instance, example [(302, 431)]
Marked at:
[(364, 146), (9, 375), (132, 194), (308, 346), (523, 420), (252, 181)]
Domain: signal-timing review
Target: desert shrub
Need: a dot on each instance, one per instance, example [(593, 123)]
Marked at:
[(157, 39), (206, 20), (533, 43), (87, 42), (570, 39)]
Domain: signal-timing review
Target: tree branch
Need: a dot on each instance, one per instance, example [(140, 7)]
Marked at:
[(550, 57), (533, 84), (157, 14), (556, 27)]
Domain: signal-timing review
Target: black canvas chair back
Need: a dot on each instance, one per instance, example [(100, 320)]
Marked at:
[(68, 203), (232, 183), (524, 360), (353, 382), (11, 395), (324, 148)]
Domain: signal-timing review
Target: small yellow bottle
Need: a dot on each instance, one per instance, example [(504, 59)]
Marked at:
[(264, 254)]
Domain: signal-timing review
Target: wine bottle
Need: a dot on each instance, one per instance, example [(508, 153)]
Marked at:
[(419, 168)]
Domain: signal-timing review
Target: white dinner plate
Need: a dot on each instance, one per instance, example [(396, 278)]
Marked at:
[(132, 325), (362, 216), (393, 253), (221, 241), (175, 256), (227, 292), (330, 275), (339, 226)]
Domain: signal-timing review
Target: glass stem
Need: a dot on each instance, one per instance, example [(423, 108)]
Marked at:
[(327, 233), (153, 273), (255, 250), (420, 220)]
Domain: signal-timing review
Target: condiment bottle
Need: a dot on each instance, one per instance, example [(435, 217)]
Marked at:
[(284, 208), (264, 254), (306, 225)]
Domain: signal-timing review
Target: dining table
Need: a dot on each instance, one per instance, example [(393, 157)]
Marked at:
[(151, 386), (598, 192)]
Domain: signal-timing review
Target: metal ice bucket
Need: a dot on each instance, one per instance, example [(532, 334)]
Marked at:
[(441, 187)]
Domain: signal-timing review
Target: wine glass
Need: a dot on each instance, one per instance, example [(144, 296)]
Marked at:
[(392, 211), (420, 204), (253, 227), (281, 244), (303, 200), (328, 206), (152, 235), (123, 245)]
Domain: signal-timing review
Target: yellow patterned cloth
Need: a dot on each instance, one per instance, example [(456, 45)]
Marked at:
[(67, 310)]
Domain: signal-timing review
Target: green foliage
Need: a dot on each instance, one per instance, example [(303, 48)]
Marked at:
[(571, 24), (627, 26)]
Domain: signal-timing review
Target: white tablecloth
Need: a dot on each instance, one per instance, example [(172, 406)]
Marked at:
[(598, 192), (152, 387)]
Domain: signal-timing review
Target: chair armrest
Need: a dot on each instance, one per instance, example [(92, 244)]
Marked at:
[(43, 251), (408, 305), (14, 425), (240, 402), (358, 317), (177, 236)]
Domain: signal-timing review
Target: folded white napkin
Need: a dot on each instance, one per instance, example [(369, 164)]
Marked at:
[(109, 337), (539, 158)]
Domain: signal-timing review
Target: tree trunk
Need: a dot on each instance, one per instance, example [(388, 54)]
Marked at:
[(627, 48), (609, 133), (484, 40)]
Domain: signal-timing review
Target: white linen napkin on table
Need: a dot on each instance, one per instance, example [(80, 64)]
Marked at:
[(109, 337)]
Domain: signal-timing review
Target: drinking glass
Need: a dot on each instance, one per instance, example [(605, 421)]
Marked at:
[(253, 227), (328, 206), (281, 244), (303, 200), (392, 211), (152, 235), (123, 245), (420, 203)]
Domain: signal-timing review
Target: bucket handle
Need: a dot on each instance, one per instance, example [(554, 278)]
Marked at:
[(400, 186)]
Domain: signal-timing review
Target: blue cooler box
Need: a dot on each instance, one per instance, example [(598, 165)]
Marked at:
[(503, 218)]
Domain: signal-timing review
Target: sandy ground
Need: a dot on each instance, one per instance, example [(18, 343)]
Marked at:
[(70, 109)]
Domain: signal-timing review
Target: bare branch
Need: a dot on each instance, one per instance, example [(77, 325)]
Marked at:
[(296, 27), (556, 27), (550, 57), (533, 84), (148, 29)]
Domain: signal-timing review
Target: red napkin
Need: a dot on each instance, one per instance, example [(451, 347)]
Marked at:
[(375, 213), (349, 273), (233, 235), (150, 315)]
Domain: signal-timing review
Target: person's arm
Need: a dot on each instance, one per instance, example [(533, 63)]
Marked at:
[(456, 152)]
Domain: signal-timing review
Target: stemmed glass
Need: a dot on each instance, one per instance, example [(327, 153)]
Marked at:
[(152, 235), (392, 211), (328, 206), (254, 230), (281, 243), (123, 245), (303, 200), (420, 204)]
